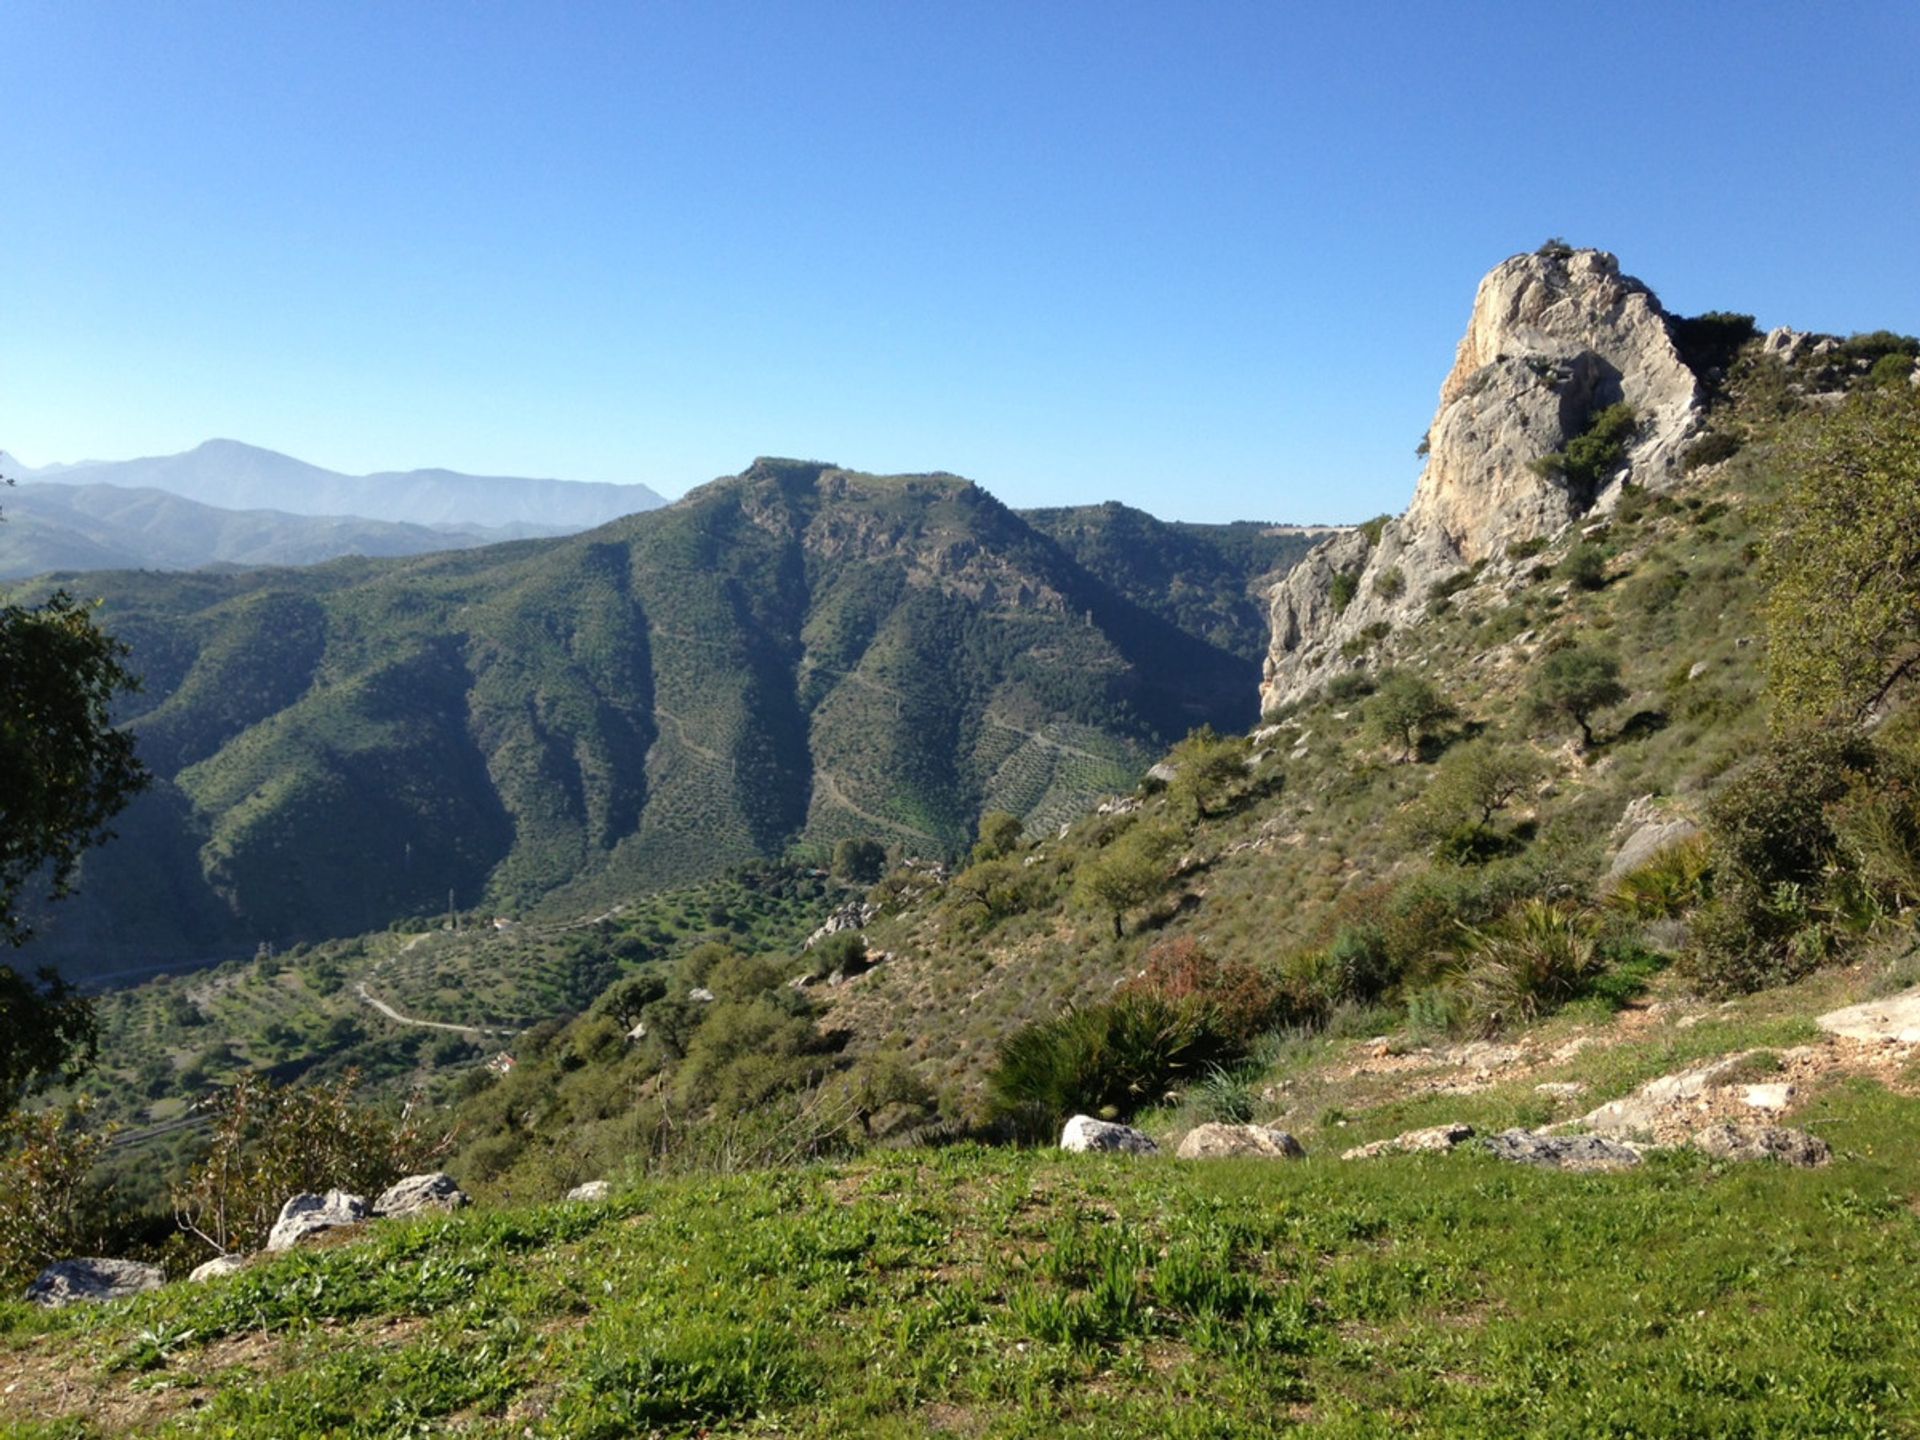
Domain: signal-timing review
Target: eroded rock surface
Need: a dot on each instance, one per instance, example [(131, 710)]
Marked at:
[(1083, 1133), (220, 1265), (1562, 1152), (1432, 1138), (1763, 1142), (433, 1192), (91, 1280), (307, 1215), (1895, 1019), (589, 1193), (1215, 1142)]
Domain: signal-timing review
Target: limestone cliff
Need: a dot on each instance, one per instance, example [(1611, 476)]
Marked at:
[(1555, 338)]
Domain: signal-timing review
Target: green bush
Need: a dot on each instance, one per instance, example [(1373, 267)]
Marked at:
[(1345, 586), (1678, 879), (1372, 528), (1526, 549), (1709, 449), (1529, 962), (1590, 457), (1585, 567), (1390, 584)]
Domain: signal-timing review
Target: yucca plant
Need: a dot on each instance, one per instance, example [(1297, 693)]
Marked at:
[(1670, 884), (1533, 959)]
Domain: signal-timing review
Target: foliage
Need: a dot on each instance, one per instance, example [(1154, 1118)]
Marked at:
[(1372, 528), (1573, 684), (859, 860), (1710, 341), (1529, 962), (48, 1034), (1206, 766), (999, 835), (65, 770), (1590, 457), (1526, 549), (1448, 586), (1236, 1001), (271, 1142), (47, 1211), (1676, 880), (1390, 584), (1709, 449), (1584, 566), (1108, 1059), (1128, 872), (1472, 782), (1843, 562), (1346, 584), (1405, 708)]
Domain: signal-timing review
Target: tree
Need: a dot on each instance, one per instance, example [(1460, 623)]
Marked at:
[(47, 1034), (1573, 685), (1843, 562), (859, 862), (1204, 766), (999, 833), (1472, 783), (1403, 708), (64, 769), (1129, 872)]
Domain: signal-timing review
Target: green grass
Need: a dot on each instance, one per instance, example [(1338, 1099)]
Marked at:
[(1026, 1294)]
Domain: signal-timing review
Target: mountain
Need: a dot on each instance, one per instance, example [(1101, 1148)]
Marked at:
[(797, 653), (46, 527), (234, 476)]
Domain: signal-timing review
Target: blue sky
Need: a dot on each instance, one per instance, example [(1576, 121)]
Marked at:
[(1209, 259)]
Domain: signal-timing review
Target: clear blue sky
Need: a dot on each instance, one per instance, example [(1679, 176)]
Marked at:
[(1210, 259)]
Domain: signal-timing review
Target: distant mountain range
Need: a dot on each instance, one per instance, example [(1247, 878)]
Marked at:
[(228, 502)]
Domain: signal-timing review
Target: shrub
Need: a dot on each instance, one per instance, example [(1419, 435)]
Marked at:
[(1404, 708), (1709, 449), (1345, 586), (1891, 369), (1710, 341), (1451, 585), (1526, 549), (859, 861), (1678, 879), (271, 1142), (1205, 767), (1390, 584), (47, 1212), (844, 950), (1372, 528), (1129, 872), (1585, 567), (1353, 685), (1590, 457), (1108, 1060), (1472, 783), (1532, 960), (999, 835), (1236, 1002), (1573, 684)]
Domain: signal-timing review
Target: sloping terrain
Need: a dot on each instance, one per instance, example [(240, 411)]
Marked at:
[(800, 653)]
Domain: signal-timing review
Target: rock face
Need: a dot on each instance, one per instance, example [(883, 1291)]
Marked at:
[(1219, 1142), (1895, 1019), (417, 1193), (307, 1215), (76, 1282), (1645, 829), (1555, 337), (1763, 1142), (1660, 1104), (1084, 1133), (1562, 1152), (1432, 1139)]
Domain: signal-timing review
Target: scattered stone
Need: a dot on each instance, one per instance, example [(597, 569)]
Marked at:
[(1763, 1142), (1573, 1047), (590, 1193), (1775, 1096), (1216, 1142), (218, 1266), (1433, 1139), (1697, 669), (309, 1214), (88, 1281), (1083, 1133), (1561, 1089), (1896, 1018), (1656, 1101), (1562, 1152), (436, 1191)]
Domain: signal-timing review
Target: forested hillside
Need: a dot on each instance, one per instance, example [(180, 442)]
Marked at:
[(798, 654)]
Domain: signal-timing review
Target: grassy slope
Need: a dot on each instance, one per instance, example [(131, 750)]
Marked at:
[(1007, 1293)]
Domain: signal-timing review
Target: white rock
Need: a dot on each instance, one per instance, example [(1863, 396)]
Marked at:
[(309, 1214), (591, 1192), (435, 1191), (1218, 1142), (1767, 1097), (1896, 1018), (1083, 1133), (1432, 1139), (1561, 1089), (218, 1266)]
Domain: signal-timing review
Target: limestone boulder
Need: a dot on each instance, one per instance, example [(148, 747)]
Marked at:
[(217, 1267), (1226, 1142), (592, 1192), (1763, 1142), (1895, 1019), (1430, 1139), (1083, 1134), (305, 1216), (92, 1280), (1562, 1152), (1646, 828), (434, 1192)]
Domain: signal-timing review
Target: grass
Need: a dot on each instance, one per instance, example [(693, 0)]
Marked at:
[(1028, 1293)]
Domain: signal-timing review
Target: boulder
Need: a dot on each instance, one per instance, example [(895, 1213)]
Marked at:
[(590, 1193), (1763, 1142), (218, 1266), (1643, 832), (1562, 1152), (1777, 1095), (1084, 1133), (308, 1215), (435, 1191), (1431, 1139), (88, 1281), (1222, 1142)]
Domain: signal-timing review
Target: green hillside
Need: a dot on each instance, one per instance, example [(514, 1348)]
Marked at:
[(793, 656)]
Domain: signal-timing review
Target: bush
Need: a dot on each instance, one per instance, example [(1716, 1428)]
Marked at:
[(1585, 567), (1236, 1002), (1451, 585), (1345, 586), (1526, 549), (1372, 528), (1405, 709), (1107, 1060), (47, 1212), (1353, 685), (1574, 684), (1709, 449), (1390, 584), (1678, 879), (1593, 455), (1130, 871), (999, 835), (859, 861), (1529, 962)]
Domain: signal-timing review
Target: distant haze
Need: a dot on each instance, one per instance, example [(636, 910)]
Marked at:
[(234, 476)]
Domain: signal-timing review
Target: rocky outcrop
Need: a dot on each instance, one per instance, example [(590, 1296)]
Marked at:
[(1555, 338), (1763, 1142), (1562, 1152), (1646, 828), (1894, 1020), (307, 1215), (1431, 1139), (77, 1282), (421, 1194), (217, 1268), (1234, 1142), (1083, 1133), (590, 1193)]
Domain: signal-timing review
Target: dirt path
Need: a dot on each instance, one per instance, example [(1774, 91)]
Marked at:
[(825, 782), (387, 1010)]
